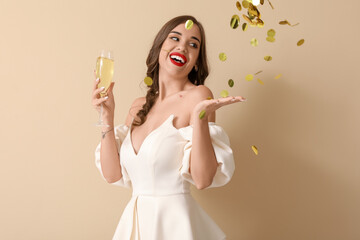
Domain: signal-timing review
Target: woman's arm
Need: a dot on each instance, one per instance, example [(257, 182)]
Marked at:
[(204, 166)]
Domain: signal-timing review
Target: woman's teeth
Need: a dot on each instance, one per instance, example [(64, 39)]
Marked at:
[(178, 59)]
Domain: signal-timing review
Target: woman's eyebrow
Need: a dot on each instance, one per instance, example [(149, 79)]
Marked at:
[(181, 35)]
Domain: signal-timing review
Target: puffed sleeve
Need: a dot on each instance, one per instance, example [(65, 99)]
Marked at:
[(223, 152), (120, 134)]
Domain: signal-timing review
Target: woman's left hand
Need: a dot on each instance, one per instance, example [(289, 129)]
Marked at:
[(211, 105)]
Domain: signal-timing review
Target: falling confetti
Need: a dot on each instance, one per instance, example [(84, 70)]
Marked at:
[(254, 148), (235, 20), (278, 76), (254, 42), (270, 39), (189, 24), (268, 58), (202, 114), (224, 93), (261, 82), (300, 42), (287, 22), (271, 33), (258, 72), (270, 4), (249, 77), (148, 81), (245, 3), (238, 5), (209, 98), (231, 83), (244, 27), (222, 56)]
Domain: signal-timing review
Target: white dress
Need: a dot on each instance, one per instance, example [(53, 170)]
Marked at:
[(161, 206)]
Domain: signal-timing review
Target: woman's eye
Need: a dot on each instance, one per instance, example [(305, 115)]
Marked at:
[(194, 45), (174, 38)]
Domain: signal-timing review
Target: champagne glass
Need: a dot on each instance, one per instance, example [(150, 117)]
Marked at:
[(104, 71)]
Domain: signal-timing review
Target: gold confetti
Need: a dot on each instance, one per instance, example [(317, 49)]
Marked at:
[(278, 76), (224, 93), (202, 114), (254, 42), (249, 77), (268, 58), (209, 98), (255, 150), (189, 24), (238, 5), (231, 83), (261, 82), (244, 27), (253, 11), (222, 56), (235, 20), (300, 42), (270, 4), (245, 3), (148, 81), (287, 22), (258, 72), (271, 32), (270, 39)]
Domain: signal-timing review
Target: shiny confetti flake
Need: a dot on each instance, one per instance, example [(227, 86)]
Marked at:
[(245, 3), (258, 72), (148, 81), (300, 42), (270, 4), (202, 114), (278, 76), (255, 150), (249, 77), (261, 82), (238, 5), (189, 24), (222, 56), (244, 27), (224, 93), (271, 33), (270, 39), (287, 22), (268, 58), (254, 42), (231, 83), (255, 2), (209, 98), (235, 21)]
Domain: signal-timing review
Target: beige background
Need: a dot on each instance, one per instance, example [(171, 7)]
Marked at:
[(303, 185)]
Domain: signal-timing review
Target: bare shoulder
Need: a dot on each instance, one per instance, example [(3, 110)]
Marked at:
[(135, 107), (201, 93)]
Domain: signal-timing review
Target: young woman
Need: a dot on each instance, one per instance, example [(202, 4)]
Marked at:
[(164, 146)]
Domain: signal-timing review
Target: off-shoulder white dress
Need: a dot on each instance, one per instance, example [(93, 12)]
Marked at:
[(161, 206)]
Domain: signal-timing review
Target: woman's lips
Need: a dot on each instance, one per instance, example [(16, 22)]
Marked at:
[(178, 63)]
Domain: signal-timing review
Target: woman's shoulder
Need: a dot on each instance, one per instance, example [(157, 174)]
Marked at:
[(199, 93)]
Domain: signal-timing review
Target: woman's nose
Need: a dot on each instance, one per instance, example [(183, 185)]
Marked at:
[(181, 47)]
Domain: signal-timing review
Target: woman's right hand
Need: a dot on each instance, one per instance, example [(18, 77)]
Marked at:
[(108, 103)]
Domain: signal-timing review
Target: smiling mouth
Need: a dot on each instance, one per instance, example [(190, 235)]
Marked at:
[(178, 59)]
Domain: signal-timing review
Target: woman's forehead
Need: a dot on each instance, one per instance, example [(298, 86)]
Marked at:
[(194, 31)]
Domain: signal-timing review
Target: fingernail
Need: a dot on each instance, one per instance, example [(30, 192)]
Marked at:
[(243, 100), (106, 97), (97, 79), (102, 88)]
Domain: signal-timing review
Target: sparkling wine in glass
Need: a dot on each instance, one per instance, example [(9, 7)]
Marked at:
[(104, 71)]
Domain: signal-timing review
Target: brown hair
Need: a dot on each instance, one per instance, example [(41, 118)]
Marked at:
[(152, 62)]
